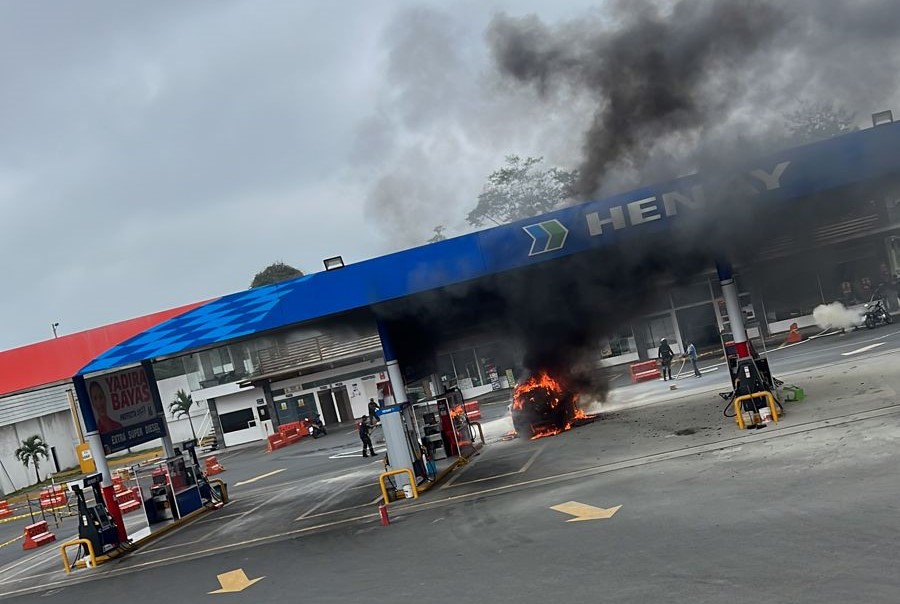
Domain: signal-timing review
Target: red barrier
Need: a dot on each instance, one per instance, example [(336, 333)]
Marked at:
[(275, 442), (5, 512), (53, 497), (37, 534), (473, 411), (644, 371), (129, 500), (213, 466)]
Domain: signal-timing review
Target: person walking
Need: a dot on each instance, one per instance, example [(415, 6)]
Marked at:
[(364, 429), (373, 407), (665, 355), (692, 355)]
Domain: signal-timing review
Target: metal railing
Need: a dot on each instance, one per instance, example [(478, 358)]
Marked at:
[(313, 351)]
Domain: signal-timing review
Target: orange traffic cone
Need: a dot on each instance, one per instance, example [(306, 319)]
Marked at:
[(794, 335)]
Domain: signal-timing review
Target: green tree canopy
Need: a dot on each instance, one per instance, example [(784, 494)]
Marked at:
[(181, 405), (522, 189), (812, 122), (275, 273), (32, 449)]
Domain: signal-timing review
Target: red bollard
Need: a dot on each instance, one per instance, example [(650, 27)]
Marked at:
[(385, 520)]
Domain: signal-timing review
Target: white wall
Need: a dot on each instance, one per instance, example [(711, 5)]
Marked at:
[(180, 429), (56, 429), (359, 390)]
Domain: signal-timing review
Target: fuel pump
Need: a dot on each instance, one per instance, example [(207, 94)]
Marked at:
[(751, 378), (94, 522)]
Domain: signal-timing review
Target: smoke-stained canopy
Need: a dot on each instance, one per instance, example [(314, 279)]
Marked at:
[(621, 220)]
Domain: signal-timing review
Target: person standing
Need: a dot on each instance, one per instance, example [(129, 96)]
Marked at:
[(692, 355), (364, 429), (373, 407), (665, 355)]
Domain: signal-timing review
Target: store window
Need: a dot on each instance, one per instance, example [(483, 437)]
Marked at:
[(618, 344), (659, 327), (237, 420), (790, 294), (468, 374)]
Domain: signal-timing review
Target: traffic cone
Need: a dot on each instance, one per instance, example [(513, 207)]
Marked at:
[(794, 335)]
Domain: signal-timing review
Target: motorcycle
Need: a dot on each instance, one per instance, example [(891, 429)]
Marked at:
[(876, 314), (316, 427)]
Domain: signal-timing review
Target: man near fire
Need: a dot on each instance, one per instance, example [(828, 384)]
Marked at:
[(665, 359), (692, 355), (364, 429), (373, 407)]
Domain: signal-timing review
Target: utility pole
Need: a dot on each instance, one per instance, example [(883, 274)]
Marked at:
[(53, 326)]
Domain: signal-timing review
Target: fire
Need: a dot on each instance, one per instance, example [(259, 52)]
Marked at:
[(542, 406), (543, 380)]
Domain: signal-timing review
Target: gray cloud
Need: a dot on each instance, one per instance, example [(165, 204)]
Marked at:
[(154, 154), (678, 85)]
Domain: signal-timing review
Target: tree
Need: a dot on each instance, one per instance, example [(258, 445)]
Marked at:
[(812, 122), (181, 405), (275, 273), (438, 234), (32, 449), (521, 189)]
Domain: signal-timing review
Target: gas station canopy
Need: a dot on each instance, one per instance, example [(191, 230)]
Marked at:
[(786, 175)]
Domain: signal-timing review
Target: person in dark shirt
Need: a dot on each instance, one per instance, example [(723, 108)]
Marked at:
[(364, 428), (665, 359), (373, 407)]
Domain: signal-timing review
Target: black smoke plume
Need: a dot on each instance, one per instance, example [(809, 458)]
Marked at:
[(676, 88)]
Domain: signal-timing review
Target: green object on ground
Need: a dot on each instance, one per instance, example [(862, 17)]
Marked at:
[(793, 393)]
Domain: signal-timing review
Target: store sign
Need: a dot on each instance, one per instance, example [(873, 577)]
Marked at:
[(667, 204), (124, 409)]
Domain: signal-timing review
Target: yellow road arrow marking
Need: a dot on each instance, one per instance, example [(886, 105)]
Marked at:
[(582, 511), (234, 581), (249, 480)]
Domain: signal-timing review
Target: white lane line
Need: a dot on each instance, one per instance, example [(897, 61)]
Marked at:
[(521, 470), (863, 349), (531, 460), (355, 453), (260, 477)]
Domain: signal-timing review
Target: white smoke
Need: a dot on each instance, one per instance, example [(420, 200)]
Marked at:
[(836, 316)]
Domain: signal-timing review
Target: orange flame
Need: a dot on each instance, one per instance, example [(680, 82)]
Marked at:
[(556, 393), (543, 380)]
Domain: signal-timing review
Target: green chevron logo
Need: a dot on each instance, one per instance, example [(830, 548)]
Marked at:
[(547, 236)]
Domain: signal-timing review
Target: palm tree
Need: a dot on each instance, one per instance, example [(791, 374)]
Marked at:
[(31, 450), (181, 405)]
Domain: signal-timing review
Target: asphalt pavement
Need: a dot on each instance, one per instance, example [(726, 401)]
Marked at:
[(673, 503)]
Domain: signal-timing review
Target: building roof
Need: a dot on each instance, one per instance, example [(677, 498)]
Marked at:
[(56, 360), (799, 172)]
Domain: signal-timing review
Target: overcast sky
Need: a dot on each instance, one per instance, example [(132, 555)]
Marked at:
[(158, 153), (154, 154)]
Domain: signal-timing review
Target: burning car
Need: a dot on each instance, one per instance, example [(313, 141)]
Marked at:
[(542, 406)]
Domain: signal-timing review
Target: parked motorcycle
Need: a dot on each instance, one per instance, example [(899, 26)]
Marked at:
[(316, 427), (877, 314)]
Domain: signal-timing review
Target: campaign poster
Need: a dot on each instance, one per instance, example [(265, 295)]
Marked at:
[(124, 409)]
